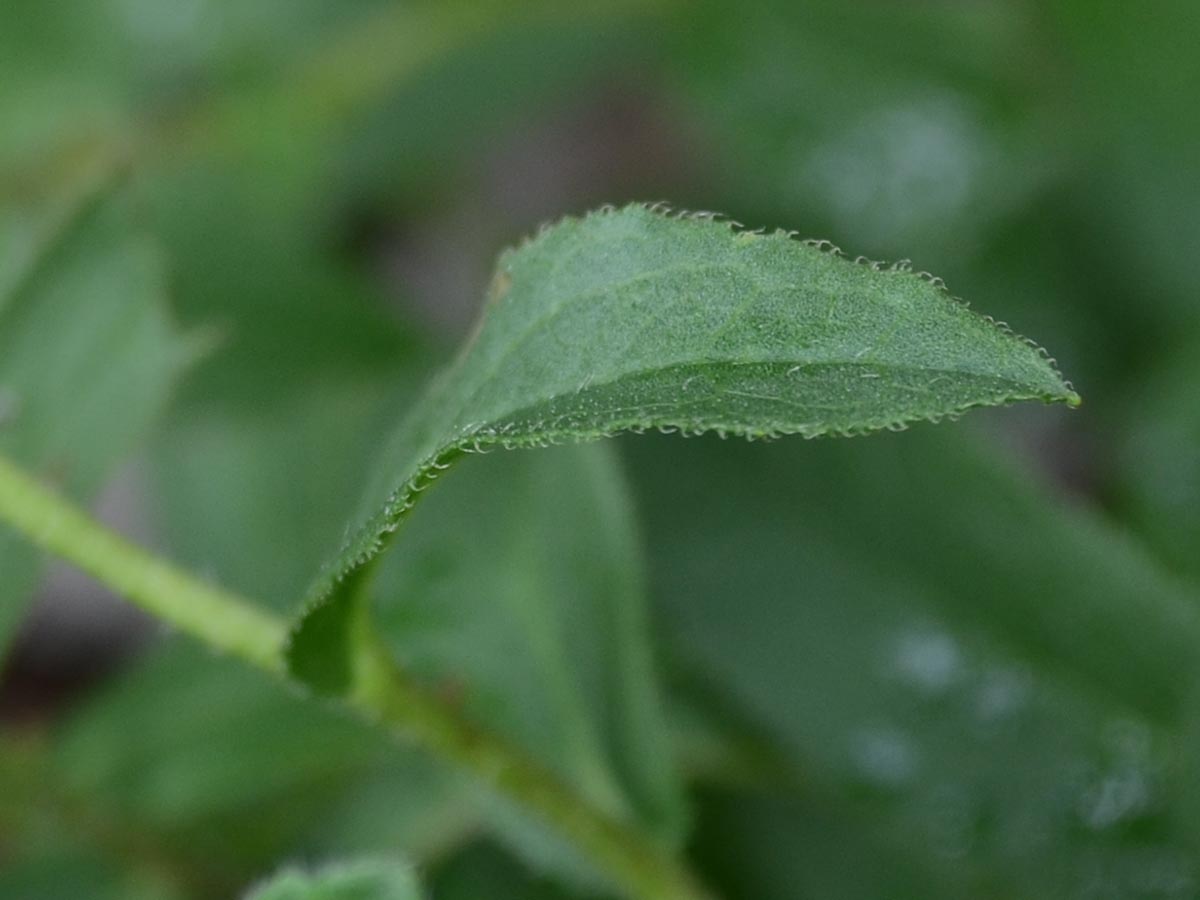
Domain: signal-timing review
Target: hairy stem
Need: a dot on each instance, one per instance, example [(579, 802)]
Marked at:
[(382, 692)]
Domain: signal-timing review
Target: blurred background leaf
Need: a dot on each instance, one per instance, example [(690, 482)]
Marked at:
[(930, 648), (88, 352), (1157, 463), (206, 774), (519, 594), (368, 880)]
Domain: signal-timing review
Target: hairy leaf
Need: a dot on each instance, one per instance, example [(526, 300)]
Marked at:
[(630, 319), (519, 593)]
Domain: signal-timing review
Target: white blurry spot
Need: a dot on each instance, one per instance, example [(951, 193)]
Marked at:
[(162, 21), (1119, 795), (884, 756), (1002, 692), (1124, 790), (928, 659), (900, 169)]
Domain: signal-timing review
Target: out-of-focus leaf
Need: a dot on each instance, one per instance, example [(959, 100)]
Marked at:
[(227, 771), (44, 859), (365, 880), (251, 773), (1159, 462), (769, 845), (519, 595), (631, 319), (1138, 181), (249, 191), (93, 875), (902, 127), (424, 137), (209, 758), (483, 870), (288, 315), (116, 72), (88, 354), (253, 498), (994, 682), (60, 79), (440, 809)]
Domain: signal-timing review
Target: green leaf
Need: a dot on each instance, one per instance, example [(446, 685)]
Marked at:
[(231, 783), (62, 79), (1137, 180), (1159, 472), (367, 880), (630, 319), (288, 313), (523, 580), (772, 845), (484, 870), (931, 645), (88, 354), (65, 872), (875, 122), (530, 558), (412, 148), (519, 595), (253, 773)]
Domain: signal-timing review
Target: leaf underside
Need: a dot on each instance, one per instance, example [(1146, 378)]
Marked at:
[(632, 319)]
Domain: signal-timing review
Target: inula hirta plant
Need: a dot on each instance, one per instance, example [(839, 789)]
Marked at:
[(624, 320)]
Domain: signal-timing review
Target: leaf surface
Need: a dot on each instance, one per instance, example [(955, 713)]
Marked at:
[(630, 319)]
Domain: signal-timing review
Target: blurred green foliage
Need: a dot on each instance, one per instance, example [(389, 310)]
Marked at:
[(357, 881), (88, 352), (958, 662)]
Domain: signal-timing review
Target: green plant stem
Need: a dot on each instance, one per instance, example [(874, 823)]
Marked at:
[(382, 692), (218, 618)]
